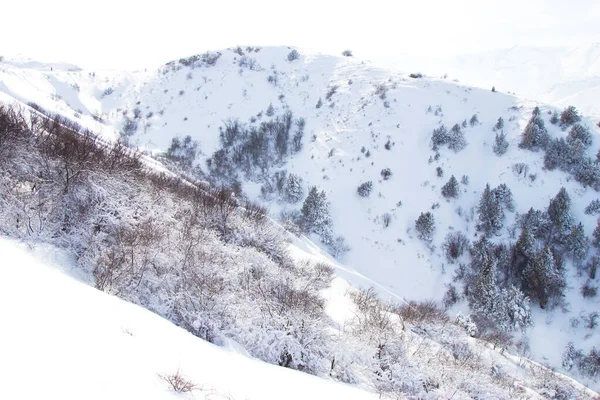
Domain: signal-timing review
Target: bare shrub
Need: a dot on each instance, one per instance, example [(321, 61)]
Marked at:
[(418, 312), (455, 245), (178, 383)]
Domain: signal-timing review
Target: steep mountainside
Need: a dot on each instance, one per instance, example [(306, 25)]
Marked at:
[(359, 121)]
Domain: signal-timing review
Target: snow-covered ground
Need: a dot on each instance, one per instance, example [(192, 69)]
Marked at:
[(555, 75), (187, 101), (62, 339)]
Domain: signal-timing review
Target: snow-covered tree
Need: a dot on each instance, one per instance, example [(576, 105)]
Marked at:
[(294, 188), (456, 138), (535, 136), (581, 133), (525, 253), (569, 116), (499, 124), (491, 213), (596, 236), (450, 189), (559, 213), (593, 208), (577, 243), (425, 226), (270, 110), (316, 215), (500, 144), (518, 312), (504, 196), (474, 120), (542, 279)]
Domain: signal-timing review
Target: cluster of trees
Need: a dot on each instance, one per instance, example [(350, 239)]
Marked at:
[(568, 154), (254, 150), (454, 139), (587, 364)]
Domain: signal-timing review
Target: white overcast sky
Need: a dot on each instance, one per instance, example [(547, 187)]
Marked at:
[(133, 34)]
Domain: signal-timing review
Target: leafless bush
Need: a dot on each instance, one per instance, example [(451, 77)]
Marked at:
[(423, 311), (178, 383)]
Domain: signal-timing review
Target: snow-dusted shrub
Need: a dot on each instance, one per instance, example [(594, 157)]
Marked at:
[(347, 53), (588, 290), (467, 324), (385, 173), (420, 312), (319, 103), (474, 120), (182, 152), (386, 219), (129, 128), (365, 189), (293, 55), (331, 91), (439, 172), (416, 75), (455, 244)]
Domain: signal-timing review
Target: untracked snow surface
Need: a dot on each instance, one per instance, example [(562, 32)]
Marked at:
[(62, 339)]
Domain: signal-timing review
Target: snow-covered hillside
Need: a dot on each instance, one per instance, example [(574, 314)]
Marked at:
[(64, 339), (555, 75), (370, 119)]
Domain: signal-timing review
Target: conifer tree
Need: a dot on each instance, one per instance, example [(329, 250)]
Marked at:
[(316, 215), (425, 226), (294, 190), (491, 213), (450, 189)]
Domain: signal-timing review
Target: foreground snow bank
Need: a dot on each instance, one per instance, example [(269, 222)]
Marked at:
[(63, 339)]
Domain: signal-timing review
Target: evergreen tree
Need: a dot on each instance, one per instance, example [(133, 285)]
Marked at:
[(569, 117), (499, 124), (425, 226), (316, 215), (294, 190), (587, 172), (450, 189), (270, 110), (593, 208), (554, 118), (500, 144), (596, 236), (582, 133), (535, 136), (518, 312), (491, 213), (559, 213), (543, 280), (577, 243), (536, 222), (525, 253), (319, 103), (474, 120), (485, 295), (456, 139), (504, 196)]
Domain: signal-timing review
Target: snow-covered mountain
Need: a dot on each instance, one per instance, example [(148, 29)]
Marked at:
[(359, 121), (554, 75)]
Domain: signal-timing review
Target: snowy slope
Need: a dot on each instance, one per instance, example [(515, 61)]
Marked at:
[(178, 101), (64, 339), (553, 75)]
